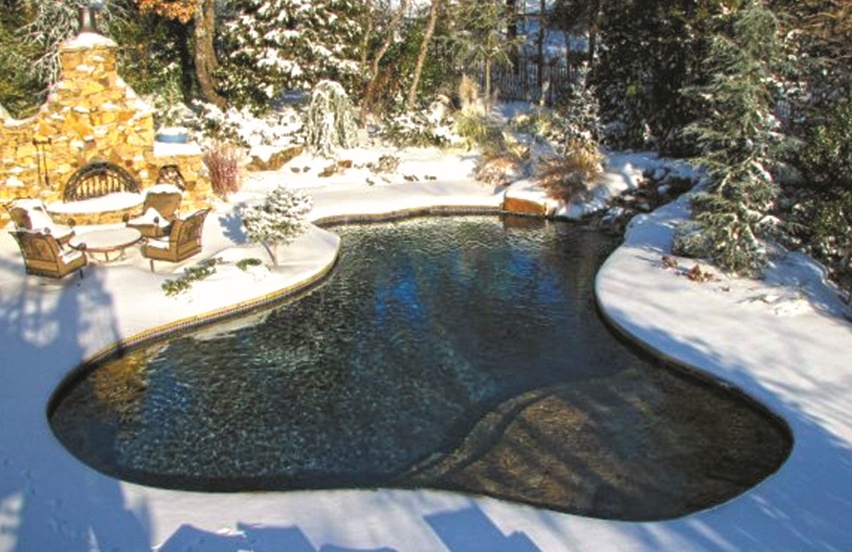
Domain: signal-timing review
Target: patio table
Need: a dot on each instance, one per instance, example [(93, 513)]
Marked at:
[(106, 241)]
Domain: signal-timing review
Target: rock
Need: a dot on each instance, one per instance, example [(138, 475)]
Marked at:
[(276, 160)]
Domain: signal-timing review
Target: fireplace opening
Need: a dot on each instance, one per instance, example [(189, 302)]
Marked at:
[(98, 178)]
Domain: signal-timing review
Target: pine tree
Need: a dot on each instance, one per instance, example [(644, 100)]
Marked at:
[(650, 50), (279, 220), (740, 137), (279, 45)]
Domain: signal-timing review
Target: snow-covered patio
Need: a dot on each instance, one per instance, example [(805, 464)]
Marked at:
[(785, 342)]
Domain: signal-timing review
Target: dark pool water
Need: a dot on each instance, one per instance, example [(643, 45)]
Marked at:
[(461, 353)]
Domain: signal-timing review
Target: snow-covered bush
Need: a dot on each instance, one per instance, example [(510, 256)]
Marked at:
[(432, 126), (330, 122), (574, 172), (385, 164), (480, 130), (690, 240), (499, 169), (224, 161), (279, 220), (282, 127), (169, 112)]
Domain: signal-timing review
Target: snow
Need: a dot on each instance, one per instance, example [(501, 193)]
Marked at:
[(89, 40), (110, 202), (785, 341)]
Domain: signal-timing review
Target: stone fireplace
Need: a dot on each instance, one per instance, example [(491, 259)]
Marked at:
[(91, 116)]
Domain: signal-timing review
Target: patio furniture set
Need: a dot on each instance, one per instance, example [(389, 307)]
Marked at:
[(55, 250)]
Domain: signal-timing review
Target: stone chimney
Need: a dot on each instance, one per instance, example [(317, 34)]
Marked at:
[(91, 115)]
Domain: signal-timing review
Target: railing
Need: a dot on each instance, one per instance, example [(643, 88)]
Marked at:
[(522, 82)]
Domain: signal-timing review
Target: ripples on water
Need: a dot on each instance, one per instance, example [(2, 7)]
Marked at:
[(425, 328)]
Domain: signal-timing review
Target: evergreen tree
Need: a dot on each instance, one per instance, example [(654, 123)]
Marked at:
[(651, 49), (279, 45), (740, 136), (279, 220)]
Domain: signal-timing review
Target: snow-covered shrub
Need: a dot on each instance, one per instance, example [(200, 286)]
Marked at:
[(822, 223), (224, 161), (191, 274), (168, 111), (480, 130), (279, 220), (282, 127), (432, 126), (574, 172), (690, 240), (330, 122), (499, 169), (578, 113), (386, 164)]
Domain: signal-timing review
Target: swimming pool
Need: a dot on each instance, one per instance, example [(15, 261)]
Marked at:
[(461, 353)]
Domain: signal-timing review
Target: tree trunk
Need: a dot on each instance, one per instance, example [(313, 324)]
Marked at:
[(421, 56), (488, 86), (594, 21), (205, 54), (541, 24), (187, 67), (512, 34), (374, 65)]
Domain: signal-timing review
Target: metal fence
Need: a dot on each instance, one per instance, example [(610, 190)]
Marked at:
[(523, 83)]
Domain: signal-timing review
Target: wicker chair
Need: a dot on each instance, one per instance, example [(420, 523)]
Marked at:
[(159, 211), (31, 214), (44, 256), (183, 241)]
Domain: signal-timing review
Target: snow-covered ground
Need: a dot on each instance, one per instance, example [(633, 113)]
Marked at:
[(784, 341)]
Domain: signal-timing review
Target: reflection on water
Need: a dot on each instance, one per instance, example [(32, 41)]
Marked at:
[(407, 360)]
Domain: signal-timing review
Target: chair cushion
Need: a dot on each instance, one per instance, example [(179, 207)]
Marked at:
[(150, 217), (70, 256), (40, 220), (158, 244)]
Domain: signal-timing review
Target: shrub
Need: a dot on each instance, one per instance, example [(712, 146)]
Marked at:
[(481, 131), (279, 220), (281, 127), (224, 160), (191, 274), (330, 121), (499, 169), (822, 222), (690, 240), (826, 157), (244, 264), (574, 173)]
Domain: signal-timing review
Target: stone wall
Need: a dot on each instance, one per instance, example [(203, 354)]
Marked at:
[(91, 114)]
